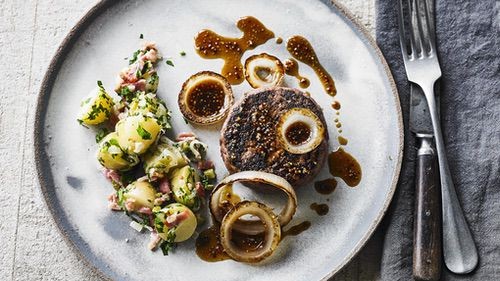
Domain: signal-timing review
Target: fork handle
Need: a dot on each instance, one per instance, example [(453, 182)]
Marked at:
[(427, 225), (460, 253)]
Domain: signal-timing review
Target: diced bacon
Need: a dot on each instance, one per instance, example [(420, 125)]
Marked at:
[(113, 202), (200, 190), (205, 165), (145, 210), (113, 176), (154, 241), (165, 186), (185, 136), (159, 201), (176, 219), (130, 204), (151, 55), (140, 85)]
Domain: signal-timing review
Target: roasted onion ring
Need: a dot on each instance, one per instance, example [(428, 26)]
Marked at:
[(253, 227), (264, 70), (309, 119), (268, 221), (210, 90)]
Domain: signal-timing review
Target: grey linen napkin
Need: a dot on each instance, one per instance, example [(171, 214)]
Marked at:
[(469, 51)]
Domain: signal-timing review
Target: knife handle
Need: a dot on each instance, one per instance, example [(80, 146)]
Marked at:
[(427, 249)]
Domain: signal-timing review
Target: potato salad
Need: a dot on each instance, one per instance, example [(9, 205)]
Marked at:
[(158, 182)]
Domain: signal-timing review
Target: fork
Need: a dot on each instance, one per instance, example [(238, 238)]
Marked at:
[(422, 68)]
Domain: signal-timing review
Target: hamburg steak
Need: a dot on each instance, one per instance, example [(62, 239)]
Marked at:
[(249, 138)]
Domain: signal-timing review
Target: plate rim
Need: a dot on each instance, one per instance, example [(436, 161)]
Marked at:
[(44, 174)]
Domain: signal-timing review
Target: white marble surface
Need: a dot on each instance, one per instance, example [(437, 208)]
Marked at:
[(31, 246)]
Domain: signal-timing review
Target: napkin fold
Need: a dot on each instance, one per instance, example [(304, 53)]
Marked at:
[(468, 35)]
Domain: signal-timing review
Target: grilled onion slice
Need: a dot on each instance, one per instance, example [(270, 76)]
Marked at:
[(300, 131), (264, 70), (253, 227), (267, 219), (205, 98)]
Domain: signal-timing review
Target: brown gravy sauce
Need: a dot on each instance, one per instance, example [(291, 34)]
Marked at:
[(211, 45), (296, 229), (320, 209), (344, 166), (302, 50), (298, 133), (336, 105), (206, 98), (342, 140), (292, 69), (279, 40), (325, 186), (208, 245)]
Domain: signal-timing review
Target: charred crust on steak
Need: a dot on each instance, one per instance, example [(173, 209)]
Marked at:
[(249, 142)]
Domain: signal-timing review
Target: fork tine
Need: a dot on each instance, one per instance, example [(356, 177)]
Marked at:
[(419, 34), (402, 37), (431, 26)]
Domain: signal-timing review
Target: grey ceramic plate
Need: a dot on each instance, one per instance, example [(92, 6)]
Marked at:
[(76, 192)]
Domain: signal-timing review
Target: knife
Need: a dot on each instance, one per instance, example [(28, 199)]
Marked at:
[(427, 250)]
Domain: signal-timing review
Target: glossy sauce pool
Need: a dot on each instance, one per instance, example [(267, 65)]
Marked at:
[(206, 98), (298, 133), (211, 45)]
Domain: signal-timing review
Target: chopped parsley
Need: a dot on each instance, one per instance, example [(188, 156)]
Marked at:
[(167, 245), (141, 36), (101, 134), (170, 62), (134, 56), (145, 135), (126, 93), (183, 53)]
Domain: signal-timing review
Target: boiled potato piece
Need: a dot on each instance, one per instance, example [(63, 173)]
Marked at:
[(175, 218), (182, 183), (112, 156), (142, 192), (162, 159), (137, 133), (96, 108), (152, 81), (149, 105)]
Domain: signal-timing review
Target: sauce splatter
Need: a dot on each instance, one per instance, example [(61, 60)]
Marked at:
[(208, 245), (211, 45), (325, 186), (279, 40), (292, 69), (320, 209), (302, 50), (342, 140), (296, 229), (344, 166), (336, 105)]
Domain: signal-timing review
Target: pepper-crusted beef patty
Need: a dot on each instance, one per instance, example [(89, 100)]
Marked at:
[(249, 136)]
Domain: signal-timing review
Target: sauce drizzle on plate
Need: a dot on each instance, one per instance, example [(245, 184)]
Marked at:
[(210, 45), (302, 50)]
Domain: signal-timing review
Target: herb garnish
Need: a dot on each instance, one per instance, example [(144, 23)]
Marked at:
[(183, 53), (101, 134), (168, 245), (169, 62), (141, 36), (145, 135)]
